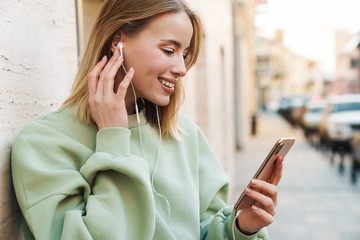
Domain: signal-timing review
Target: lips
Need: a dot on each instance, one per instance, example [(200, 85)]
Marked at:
[(169, 83)]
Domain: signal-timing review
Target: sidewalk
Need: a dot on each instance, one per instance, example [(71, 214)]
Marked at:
[(315, 201)]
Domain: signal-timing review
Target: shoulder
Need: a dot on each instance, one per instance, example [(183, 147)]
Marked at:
[(187, 123), (188, 127), (48, 122), (54, 127), (190, 130)]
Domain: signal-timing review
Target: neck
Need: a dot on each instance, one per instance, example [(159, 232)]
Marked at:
[(130, 102)]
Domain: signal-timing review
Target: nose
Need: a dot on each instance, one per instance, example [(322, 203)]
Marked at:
[(178, 67)]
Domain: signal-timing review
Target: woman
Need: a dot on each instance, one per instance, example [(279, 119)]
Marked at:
[(100, 169)]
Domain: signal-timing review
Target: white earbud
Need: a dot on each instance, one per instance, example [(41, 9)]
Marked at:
[(120, 46)]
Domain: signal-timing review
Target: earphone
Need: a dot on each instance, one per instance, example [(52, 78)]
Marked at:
[(120, 45)]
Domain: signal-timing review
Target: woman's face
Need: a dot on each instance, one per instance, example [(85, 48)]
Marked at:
[(157, 55)]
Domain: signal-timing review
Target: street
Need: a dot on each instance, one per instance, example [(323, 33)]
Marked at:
[(315, 201)]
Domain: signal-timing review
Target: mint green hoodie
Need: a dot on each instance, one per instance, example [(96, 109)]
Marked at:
[(74, 182)]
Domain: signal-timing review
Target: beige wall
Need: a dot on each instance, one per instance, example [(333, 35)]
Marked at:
[(37, 65), (246, 103), (221, 90), (209, 83), (87, 12)]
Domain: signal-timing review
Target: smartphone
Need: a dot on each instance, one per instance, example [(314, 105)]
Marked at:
[(281, 148)]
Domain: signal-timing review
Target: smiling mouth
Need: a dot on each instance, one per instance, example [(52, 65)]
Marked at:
[(167, 84)]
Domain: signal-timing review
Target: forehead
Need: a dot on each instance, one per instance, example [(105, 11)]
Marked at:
[(170, 26)]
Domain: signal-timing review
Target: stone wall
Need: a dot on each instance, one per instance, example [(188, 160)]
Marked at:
[(38, 61)]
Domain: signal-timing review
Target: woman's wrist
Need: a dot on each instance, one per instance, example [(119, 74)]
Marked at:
[(241, 230)]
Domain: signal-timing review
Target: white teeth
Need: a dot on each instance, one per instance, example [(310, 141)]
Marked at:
[(168, 84)]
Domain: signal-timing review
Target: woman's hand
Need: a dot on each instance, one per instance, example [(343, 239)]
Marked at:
[(261, 214), (107, 107)]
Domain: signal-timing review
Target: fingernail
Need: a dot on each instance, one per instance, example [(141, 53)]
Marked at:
[(131, 70), (104, 58), (254, 182), (248, 191), (254, 207)]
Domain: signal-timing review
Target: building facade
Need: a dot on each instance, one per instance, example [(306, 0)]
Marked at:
[(347, 74), (281, 73)]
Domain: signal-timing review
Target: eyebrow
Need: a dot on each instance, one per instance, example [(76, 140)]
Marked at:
[(174, 42)]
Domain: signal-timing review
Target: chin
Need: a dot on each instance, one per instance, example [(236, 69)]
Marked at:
[(164, 101)]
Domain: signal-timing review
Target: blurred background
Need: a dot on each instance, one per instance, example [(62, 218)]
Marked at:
[(267, 69)]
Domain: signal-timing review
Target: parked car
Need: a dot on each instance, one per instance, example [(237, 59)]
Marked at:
[(291, 108), (355, 147), (311, 118), (340, 119)]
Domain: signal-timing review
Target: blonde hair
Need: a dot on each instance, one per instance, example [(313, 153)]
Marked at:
[(130, 17)]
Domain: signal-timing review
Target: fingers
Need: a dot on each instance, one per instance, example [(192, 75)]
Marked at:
[(123, 86), (265, 187), (107, 76), (94, 75), (107, 107), (267, 202), (265, 216), (109, 73), (277, 173), (101, 78), (264, 193)]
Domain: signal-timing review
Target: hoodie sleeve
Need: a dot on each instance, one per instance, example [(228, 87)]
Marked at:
[(68, 191), (217, 219)]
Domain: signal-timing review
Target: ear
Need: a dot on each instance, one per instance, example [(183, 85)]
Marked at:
[(115, 41)]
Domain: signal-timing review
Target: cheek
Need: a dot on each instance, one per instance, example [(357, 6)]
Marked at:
[(142, 61), (149, 63), (143, 53), (152, 64)]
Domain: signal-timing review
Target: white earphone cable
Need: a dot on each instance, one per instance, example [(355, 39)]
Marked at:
[(156, 162), (141, 142), (136, 106), (233, 225)]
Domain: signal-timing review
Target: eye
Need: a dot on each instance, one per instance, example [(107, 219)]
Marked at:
[(168, 51), (186, 54)]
